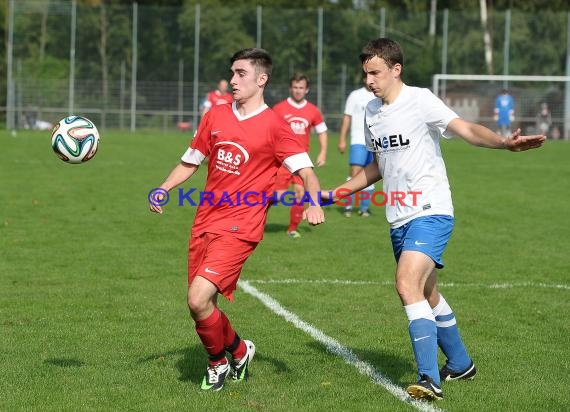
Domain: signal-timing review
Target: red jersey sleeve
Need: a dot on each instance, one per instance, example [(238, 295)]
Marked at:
[(318, 117), (201, 141)]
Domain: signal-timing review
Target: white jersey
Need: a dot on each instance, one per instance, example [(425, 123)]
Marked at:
[(405, 136), (355, 106)]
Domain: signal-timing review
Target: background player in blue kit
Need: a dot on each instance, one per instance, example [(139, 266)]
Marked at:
[(504, 112)]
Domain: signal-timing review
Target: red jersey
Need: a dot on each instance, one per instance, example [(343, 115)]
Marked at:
[(301, 117), (215, 98), (244, 155)]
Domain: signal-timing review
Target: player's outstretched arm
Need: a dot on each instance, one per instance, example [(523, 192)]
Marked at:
[(370, 174), (314, 213), (178, 175), (479, 135)]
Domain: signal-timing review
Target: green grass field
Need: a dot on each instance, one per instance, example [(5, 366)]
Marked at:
[(93, 288)]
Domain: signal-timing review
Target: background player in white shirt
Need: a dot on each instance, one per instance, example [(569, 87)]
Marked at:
[(359, 156), (403, 127)]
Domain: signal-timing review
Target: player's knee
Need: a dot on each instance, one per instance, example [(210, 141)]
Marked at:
[(197, 304), (406, 289)]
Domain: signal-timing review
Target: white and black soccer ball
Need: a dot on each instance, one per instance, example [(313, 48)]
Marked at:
[(75, 139)]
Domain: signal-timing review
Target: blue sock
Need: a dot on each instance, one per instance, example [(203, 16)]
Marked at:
[(448, 337), (423, 335)]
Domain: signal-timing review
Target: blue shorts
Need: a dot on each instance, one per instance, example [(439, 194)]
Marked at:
[(426, 234), (359, 156)]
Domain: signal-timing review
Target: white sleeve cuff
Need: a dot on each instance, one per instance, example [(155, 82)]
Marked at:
[(298, 161), (448, 135), (321, 128), (193, 157)]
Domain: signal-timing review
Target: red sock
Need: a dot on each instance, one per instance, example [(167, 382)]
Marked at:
[(232, 341), (240, 351), (211, 333), (229, 333), (295, 216)]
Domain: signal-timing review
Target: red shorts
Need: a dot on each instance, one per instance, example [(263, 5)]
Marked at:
[(218, 258), (286, 178)]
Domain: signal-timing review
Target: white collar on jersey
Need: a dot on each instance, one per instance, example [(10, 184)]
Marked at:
[(247, 116), (295, 104)]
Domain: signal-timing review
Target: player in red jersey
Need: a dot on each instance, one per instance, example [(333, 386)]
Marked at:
[(218, 96), (302, 116), (246, 143)]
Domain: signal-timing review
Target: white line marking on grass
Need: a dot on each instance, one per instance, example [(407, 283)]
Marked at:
[(336, 348), (389, 283), (528, 284)]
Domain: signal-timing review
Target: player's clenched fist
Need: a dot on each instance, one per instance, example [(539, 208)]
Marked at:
[(314, 215)]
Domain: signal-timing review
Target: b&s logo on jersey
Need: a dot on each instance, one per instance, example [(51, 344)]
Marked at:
[(230, 156), (391, 143), (298, 124)]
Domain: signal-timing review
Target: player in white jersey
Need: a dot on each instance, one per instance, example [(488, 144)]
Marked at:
[(359, 157), (403, 127)]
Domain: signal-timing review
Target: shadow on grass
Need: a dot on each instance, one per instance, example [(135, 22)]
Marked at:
[(278, 227), (278, 365), (192, 362), (393, 367), (65, 362), (275, 227)]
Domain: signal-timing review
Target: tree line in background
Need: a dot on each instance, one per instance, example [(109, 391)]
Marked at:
[(290, 32)]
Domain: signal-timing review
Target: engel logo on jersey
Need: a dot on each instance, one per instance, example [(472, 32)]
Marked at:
[(228, 159), (298, 124), (389, 142)]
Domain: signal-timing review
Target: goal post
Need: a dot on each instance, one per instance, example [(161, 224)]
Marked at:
[(472, 96)]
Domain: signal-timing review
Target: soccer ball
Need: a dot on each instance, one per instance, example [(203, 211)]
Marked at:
[(75, 139)]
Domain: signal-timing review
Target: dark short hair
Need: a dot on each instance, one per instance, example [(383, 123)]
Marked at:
[(259, 58), (297, 77), (384, 48)]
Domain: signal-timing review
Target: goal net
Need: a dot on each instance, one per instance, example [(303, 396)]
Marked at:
[(473, 98)]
